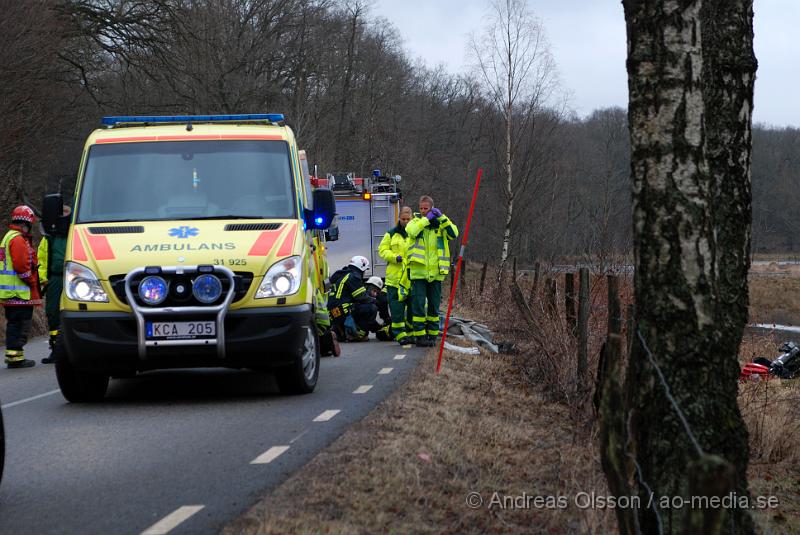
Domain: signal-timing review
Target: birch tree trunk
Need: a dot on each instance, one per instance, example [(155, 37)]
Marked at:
[(691, 70)]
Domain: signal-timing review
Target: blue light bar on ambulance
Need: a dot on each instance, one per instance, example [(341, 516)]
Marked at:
[(134, 119)]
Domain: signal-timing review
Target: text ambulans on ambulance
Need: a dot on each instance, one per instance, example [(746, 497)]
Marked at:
[(191, 246)]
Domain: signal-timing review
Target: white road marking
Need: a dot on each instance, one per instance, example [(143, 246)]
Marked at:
[(172, 520), (363, 389), (399, 357), (385, 371), (270, 455), (32, 398), (327, 415)]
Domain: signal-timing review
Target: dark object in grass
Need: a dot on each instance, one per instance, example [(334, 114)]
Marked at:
[(785, 366)]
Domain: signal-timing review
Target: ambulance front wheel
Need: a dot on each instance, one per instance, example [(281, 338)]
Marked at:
[(77, 386), (301, 376)]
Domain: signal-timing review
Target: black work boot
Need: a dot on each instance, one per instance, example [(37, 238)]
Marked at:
[(25, 363), (49, 359), (421, 341)]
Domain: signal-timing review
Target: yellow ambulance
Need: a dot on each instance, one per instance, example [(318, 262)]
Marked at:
[(191, 245)]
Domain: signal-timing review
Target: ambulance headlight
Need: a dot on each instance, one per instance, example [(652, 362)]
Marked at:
[(282, 279), (81, 284), (153, 290), (207, 288)]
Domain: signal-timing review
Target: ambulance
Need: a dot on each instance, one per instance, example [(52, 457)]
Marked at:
[(191, 245)]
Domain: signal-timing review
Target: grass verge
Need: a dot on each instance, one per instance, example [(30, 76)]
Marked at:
[(411, 464)]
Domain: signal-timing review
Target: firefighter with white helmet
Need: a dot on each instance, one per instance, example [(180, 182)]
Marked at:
[(352, 309), (377, 290), (19, 284)]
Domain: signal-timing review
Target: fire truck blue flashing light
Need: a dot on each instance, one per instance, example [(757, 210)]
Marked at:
[(318, 221), (376, 173), (128, 119)]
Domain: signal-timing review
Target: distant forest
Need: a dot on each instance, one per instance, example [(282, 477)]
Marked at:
[(356, 102)]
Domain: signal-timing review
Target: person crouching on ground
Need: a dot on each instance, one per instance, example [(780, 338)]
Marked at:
[(349, 304), (19, 285), (429, 235), (393, 251)]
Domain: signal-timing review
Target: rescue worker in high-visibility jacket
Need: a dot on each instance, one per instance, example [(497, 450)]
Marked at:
[(429, 235), (392, 249), (51, 275), (352, 310), (19, 285)]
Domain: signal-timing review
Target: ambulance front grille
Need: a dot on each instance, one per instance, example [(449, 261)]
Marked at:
[(130, 229), (252, 226)]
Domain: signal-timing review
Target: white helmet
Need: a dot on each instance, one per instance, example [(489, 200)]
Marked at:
[(360, 262), (376, 281)]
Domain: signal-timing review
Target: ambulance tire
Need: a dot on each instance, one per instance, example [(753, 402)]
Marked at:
[(77, 386), (301, 376)]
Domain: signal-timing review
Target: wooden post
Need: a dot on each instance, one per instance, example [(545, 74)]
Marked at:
[(514, 267), (630, 325), (552, 296), (535, 284), (483, 277), (569, 301), (612, 423), (519, 299), (463, 273), (583, 329), (614, 308)]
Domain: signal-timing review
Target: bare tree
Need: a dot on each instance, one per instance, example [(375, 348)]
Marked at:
[(518, 77)]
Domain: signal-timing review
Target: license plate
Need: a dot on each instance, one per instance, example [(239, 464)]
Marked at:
[(180, 330)]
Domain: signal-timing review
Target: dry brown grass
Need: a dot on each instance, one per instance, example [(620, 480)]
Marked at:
[(774, 299), (771, 411), (408, 467)]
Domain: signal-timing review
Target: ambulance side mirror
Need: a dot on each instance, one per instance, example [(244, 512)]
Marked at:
[(321, 217), (52, 219), (332, 234)]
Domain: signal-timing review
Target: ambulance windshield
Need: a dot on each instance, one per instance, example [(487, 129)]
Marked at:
[(168, 180)]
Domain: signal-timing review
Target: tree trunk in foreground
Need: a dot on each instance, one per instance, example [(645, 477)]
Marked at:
[(691, 70)]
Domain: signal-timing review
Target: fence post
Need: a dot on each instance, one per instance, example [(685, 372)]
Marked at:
[(483, 276), (630, 325), (552, 296), (569, 301), (612, 423), (514, 267), (463, 273), (535, 282), (583, 329), (519, 299), (614, 308)]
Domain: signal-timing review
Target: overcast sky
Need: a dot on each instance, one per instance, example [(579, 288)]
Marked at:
[(588, 41)]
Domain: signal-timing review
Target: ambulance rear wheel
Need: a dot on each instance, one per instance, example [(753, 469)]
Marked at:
[(301, 376), (77, 386)]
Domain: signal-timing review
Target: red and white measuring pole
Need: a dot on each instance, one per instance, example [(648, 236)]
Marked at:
[(458, 268)]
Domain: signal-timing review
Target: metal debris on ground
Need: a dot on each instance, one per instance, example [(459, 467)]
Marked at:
[(478, 334)]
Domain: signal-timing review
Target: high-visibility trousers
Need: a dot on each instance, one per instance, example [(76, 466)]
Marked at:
[(425, 319)]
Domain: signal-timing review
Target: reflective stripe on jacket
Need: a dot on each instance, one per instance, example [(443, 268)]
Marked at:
[(11, 285), (393, 244), (429, 250)]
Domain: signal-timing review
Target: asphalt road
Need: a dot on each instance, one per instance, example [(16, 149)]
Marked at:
[(173, 451)]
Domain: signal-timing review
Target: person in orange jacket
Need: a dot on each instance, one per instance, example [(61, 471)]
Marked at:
[(19, 285)]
